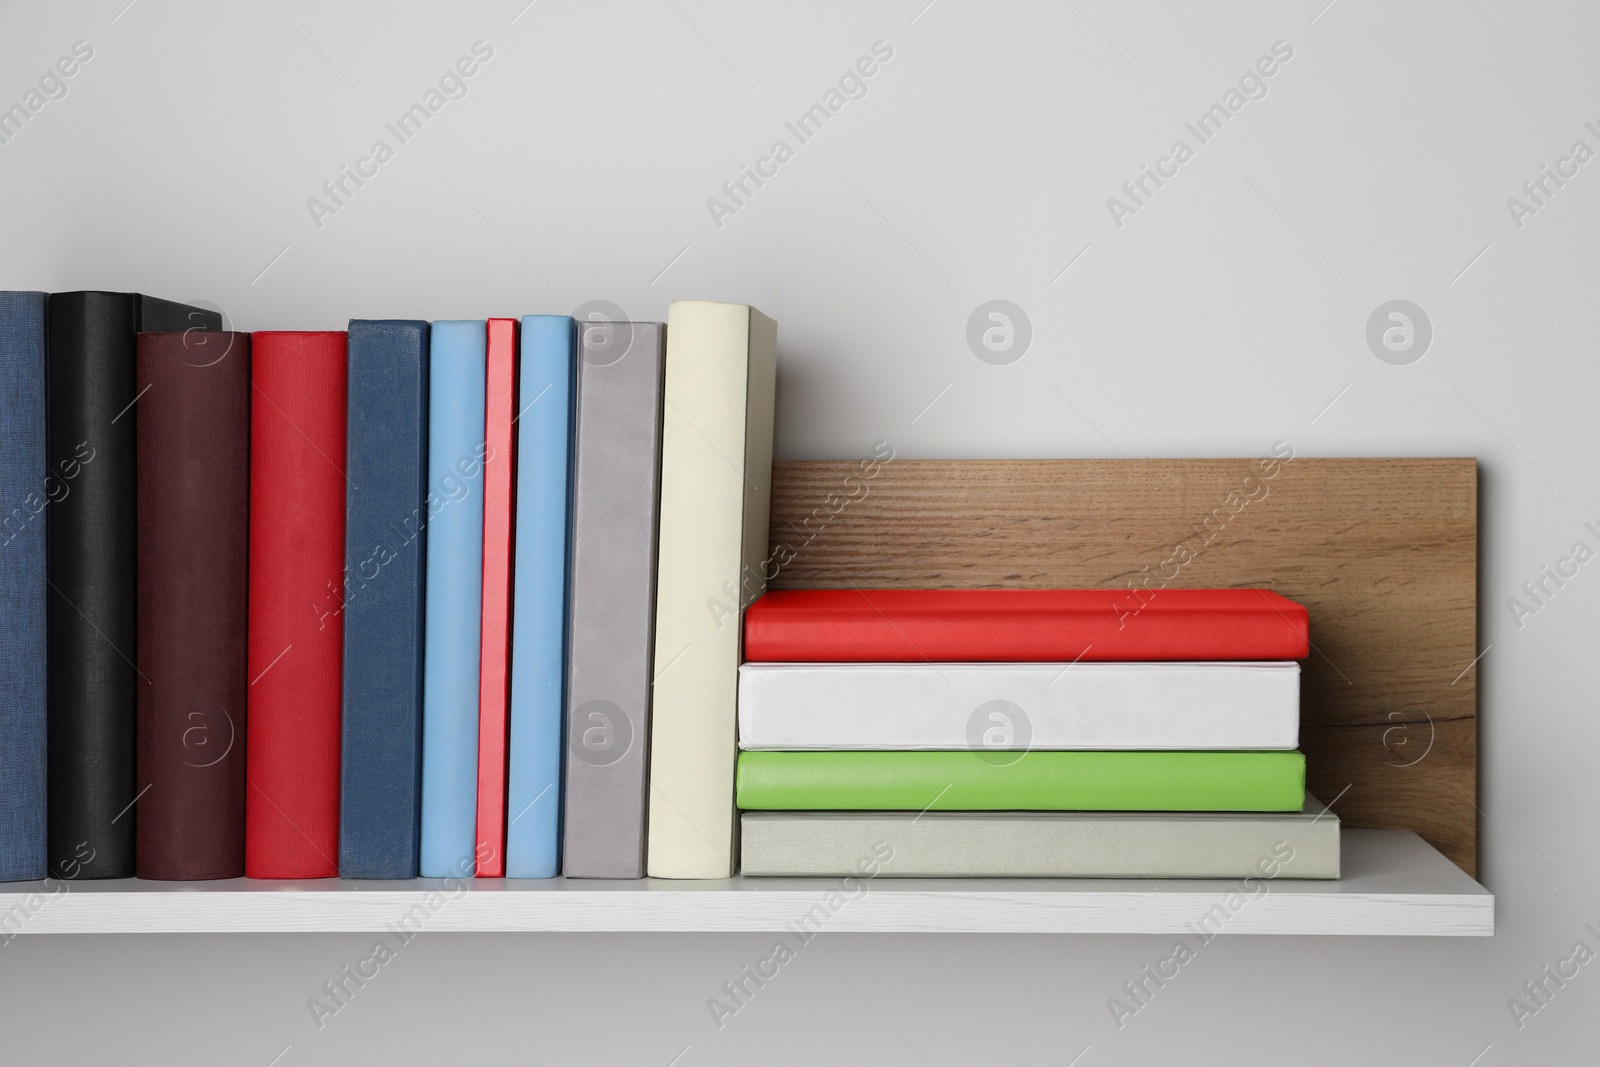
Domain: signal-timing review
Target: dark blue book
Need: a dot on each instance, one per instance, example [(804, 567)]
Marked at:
[(25, 493), (386, 520)]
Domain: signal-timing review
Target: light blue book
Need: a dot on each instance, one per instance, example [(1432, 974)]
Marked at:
[(539, 600), (453, 610)]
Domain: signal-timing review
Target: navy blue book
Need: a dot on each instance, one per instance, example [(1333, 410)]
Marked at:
[(25, 491), (386, 519)]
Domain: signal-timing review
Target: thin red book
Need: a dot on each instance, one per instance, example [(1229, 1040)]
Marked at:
[(297, 509), (494, 674), (1022, 626)]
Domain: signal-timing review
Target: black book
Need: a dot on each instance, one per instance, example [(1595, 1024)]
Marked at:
[(92, 610)]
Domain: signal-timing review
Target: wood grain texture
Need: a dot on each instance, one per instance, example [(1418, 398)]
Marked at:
[(1382, 552)]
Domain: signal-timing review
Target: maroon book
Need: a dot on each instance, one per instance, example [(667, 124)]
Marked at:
[(193, 411)]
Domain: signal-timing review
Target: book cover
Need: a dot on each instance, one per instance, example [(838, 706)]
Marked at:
[(1036, 844), (297, 501), (193, 555), (454, 591), (1012, 707), (1031, 781), (92, 608), (386, 520), (494, 670), (617, 460), (27, 488), (716, 490), (1022, 626), (539, 611)]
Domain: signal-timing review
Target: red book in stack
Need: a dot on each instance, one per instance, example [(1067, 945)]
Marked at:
[(297, 511), (1022, 626)]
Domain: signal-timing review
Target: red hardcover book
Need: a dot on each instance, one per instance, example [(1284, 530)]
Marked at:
[(494, 674), (1022, 626), (297, 506)]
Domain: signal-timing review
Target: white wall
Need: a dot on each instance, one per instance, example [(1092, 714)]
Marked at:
[(1224, 315)]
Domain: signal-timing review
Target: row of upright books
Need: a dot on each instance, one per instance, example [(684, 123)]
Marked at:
[(414, 598)]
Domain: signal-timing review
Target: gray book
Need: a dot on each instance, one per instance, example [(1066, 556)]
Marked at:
[(1043, 844), (616, 488)]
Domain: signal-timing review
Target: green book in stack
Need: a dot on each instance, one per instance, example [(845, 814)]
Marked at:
[(1032, 781)]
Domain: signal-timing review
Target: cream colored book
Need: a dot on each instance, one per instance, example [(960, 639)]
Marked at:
[(1045, 844), (716, 490)]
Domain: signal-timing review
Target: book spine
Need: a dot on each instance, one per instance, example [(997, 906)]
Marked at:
[(494, 686), (27, 488), (616, 480), (716, 467), (297, 501), (1022, 626), (454, 620), (538, 681), (194, 527), (995, 708), (386, 521), (1027, 781), (92, 613), (1039, 845)]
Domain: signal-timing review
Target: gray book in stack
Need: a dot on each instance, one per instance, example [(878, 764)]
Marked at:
[(1044, 844), (616, 488)]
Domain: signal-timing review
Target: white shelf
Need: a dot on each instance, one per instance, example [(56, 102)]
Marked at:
[(1394, 884)]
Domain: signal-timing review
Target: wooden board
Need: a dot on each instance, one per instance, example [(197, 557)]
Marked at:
[(1382, 552), (1393, 884)]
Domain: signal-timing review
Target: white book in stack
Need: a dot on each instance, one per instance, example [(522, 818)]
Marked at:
[(943, 706)]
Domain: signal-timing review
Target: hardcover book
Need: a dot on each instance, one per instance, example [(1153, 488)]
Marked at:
[(539, 614), (93, 610), (1027, 781), (494, 670), (27, 487), (297, 501), (1022, 626), (716, 490), (453, 611), (1017, 706), (1037, 844), (615, 484), (386, 520), (193, 557)]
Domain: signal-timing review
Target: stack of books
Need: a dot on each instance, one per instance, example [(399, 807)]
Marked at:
[(1060, 733)]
